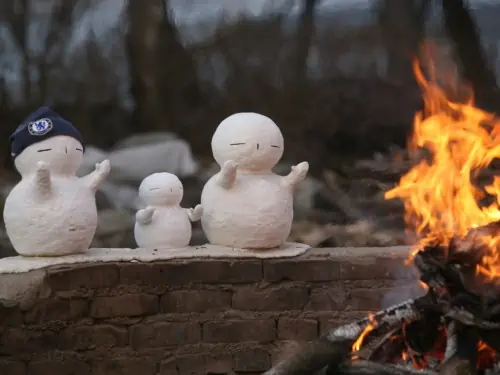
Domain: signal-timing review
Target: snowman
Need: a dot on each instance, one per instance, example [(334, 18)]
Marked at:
[(246, 205), (51, 211), (164, 223)]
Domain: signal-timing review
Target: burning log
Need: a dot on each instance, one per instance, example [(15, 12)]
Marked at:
[(360, 367), (333, 348), (461, 351), (455, 328)]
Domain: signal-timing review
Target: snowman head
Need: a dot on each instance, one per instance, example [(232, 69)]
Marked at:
[(46, 136), (252, 140), (161, 189), (62, 154)]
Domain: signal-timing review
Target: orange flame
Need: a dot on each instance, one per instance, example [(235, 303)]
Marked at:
[(486, 356), (440, 198), (370, 327)]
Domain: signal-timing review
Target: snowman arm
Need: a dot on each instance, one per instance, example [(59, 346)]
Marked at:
[(194, 214), (226, 178), (144, 217), (97, 176), (296, 175), (43, 185)]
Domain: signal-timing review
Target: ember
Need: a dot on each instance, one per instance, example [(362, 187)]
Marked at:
[(455, 327)]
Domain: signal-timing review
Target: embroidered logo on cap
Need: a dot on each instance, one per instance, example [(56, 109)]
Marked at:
[(40, 127)]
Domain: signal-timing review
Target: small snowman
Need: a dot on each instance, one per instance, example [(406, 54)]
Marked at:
[(246, 205), (164, 223), (51, 211)]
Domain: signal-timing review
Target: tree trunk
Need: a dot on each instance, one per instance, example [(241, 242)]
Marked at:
[(464, 36), (305, 34), (403, 28), (162, 72)]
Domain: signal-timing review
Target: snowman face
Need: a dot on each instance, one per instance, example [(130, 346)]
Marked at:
[(161, 189), (62, 154), (252, 140)]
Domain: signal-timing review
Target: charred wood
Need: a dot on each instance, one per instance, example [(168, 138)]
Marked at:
[(333, 348), (314, 356), (360, 367)]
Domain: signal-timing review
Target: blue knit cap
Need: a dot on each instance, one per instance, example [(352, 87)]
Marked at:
[(39, 126)]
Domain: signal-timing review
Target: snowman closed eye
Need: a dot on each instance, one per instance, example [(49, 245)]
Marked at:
[(252, 141)]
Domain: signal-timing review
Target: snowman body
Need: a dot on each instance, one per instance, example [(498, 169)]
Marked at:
[(246, 205), (257, 212), (51, 211), (169, 228), (62, 223)]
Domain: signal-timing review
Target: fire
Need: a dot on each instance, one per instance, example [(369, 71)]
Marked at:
[(485, 355), (370, 327), (440, 198)]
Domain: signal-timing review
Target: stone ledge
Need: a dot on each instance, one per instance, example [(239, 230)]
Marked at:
[(21, 279), (233, 315)]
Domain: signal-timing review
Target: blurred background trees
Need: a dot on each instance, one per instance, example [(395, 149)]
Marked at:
[(332, 73), (148, 81)]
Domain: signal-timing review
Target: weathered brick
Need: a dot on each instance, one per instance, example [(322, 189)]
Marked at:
[(57, 310), (187, 271), (195, 364), (164, 334), (125, 305), (272, 298), (297, 329), (299, 269), (12, 368), (327, 299), (125, 366), (370, 268), (252, 330), (10, 316), (367, 299), (252, 360), (181, 301), (17, 341), (168, 367), (339, 268), (87, 276), (60, 367), (93, 336), (215, 364), (326, 325)]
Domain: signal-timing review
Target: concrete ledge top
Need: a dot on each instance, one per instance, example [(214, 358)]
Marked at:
[(19, 264), (22, 279)]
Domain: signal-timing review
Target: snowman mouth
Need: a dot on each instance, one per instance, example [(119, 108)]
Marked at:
[(154, 189)]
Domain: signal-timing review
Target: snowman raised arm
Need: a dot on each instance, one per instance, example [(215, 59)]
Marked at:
[(51, 212), (246, 205), (163, 223)]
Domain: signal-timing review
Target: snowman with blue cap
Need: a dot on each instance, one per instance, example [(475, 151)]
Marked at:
[(51, 211)]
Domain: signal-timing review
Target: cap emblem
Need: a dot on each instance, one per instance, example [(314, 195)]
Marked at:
[(40, 127)]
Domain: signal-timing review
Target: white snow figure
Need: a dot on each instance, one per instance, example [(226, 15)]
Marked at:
[(51, 211), (246, 205), (164, 223)]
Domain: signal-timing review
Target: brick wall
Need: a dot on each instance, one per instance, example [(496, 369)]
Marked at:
[(194, 316)]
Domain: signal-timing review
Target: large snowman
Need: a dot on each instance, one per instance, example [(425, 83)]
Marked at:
[(163, 223), (246, 205), (51, 211)]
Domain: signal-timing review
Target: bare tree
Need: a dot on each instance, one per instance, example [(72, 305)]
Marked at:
[(163, 75), (305, 35), (464, 35), (403, 29), (19, 15)]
